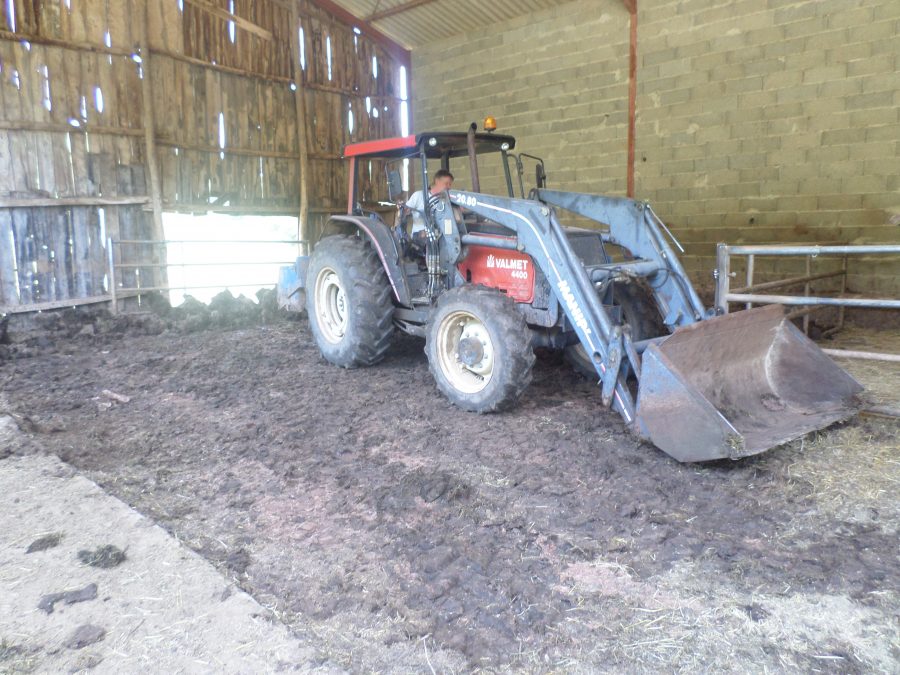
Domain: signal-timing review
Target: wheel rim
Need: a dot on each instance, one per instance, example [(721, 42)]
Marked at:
[(463, 327), (331, 305)]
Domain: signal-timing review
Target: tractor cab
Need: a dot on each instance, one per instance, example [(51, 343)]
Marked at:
[(384, 174), (381, 171), (420, 156)]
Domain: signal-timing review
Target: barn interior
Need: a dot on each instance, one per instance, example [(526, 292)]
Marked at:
[(189, 485)]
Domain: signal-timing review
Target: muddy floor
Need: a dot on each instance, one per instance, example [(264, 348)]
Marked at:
[(399, 533)]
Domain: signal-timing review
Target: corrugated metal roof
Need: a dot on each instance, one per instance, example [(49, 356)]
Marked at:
[(433, 20)]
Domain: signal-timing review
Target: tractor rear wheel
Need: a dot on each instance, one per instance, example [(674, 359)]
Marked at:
[(349, 302), (479, 349), (638, 310)]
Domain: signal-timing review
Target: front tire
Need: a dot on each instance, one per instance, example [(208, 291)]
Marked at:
[(349, 302), (639, 311), (479, 349)]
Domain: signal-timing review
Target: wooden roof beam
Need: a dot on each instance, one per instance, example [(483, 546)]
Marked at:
[(240, 22)]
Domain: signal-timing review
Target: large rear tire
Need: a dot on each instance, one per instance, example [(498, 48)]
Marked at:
[(349, 302), (639, 311), (479, 349)]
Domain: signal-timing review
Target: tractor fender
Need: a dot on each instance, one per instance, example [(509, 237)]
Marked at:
[(384, 243)]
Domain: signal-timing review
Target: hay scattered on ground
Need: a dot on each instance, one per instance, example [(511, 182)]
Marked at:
[(880, 378)]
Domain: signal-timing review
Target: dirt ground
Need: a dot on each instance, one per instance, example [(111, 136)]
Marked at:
[(397, 533)]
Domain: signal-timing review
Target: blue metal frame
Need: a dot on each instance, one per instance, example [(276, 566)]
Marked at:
[(634, 226)]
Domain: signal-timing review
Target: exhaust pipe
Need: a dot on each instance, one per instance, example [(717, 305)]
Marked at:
[(473, 161)]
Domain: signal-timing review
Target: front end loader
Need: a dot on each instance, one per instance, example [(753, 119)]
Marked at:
[(500, 275)]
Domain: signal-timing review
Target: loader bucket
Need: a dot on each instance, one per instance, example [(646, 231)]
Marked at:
[(737, 385)]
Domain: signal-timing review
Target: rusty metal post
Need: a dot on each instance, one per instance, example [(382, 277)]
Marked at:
[(632, 94)]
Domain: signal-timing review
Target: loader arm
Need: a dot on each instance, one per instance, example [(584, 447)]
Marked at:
[(634, 226), (718, 387), (541, 236)]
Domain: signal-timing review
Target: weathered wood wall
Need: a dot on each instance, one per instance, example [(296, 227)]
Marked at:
[(228, 82)]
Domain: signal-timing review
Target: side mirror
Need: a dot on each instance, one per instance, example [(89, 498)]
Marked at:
[(394, 185)]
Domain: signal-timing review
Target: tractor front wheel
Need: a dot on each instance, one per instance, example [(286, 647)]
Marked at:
[(639, 311), (349, 302), (479, 349)]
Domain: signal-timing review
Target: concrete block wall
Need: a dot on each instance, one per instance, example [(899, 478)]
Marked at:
[(758, 121)]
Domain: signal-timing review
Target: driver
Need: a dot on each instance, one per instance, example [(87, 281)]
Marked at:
[(443, 180)]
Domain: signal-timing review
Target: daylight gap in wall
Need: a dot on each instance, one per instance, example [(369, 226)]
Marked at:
[(207, 254)]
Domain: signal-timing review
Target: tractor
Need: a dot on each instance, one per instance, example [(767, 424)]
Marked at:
[(495, 276)]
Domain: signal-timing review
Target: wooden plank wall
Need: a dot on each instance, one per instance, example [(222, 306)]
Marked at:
[(350, 87), (63, 143), (224, 84)]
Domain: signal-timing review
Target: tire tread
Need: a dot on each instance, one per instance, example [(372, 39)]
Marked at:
[(515, 340), (372, 291)]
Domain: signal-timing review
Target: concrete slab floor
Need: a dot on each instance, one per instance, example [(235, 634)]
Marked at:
[(163, 609)]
